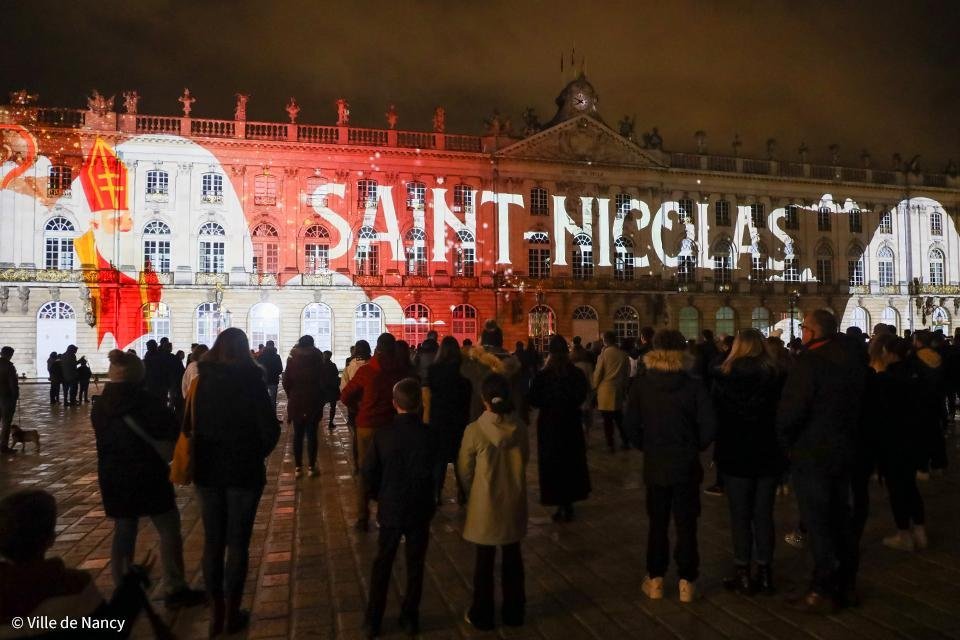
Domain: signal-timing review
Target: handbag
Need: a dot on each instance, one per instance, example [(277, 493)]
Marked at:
[(181, 467)]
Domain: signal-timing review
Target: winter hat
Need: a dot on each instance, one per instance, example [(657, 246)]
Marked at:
[(125, 367)]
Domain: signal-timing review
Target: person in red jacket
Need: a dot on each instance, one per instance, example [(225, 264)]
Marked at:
[(370, 394)]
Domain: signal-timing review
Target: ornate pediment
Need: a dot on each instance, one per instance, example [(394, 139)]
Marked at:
[(581, 140)]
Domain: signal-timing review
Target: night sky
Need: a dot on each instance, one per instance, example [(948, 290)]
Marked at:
[(881, 75)]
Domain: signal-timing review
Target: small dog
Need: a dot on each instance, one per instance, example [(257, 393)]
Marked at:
[(23, 436)]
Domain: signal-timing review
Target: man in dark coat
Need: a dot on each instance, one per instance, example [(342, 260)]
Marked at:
[(68, 368), (9, 394), (330, 387), (426, 354), (272, 365), (817, 423), (305, 399)]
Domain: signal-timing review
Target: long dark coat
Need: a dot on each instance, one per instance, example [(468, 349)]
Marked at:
[(303, 381), (450, 394), (561, 448)]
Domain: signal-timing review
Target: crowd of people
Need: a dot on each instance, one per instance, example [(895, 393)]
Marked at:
[(822, 415)]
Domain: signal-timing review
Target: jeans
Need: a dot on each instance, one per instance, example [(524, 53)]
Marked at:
[(308, 428), (171, 548), (609, 419), (824, 502), (272, 392), (683, 500), (228, 516), (905, 500), (417, 538), (8, 407), (511, 580), (751, 517)]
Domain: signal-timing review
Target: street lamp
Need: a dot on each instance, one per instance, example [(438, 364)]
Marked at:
[(793, 298)]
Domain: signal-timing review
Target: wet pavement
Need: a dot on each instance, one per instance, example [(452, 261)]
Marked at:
[(309, 570)]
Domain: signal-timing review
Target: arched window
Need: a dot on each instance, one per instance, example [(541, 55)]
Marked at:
[(824, 263), (58, 235), (416, 196), (760, 320), (586, 312), (538, 256), (582, 257), (885, 272), (539, 202), (158, 186), (940, 321), (855, 266), (264, 324), (367, 322), (316, 249), (368, 252), (366, 194), (891, 317), (626, 323), (465, 256), (156, 324), (623, 262), (861, 319), (56, 310), (936, 223), (541, 324), (212, 248), (211, 320), (936, 267), (689, 322), (586, 323), (265, 190), (464, 324), (59, 180), (266, 249), (416, 324), (725, 321), (415, 247), (463, 198), (722, 264), (156, 247), (318, 322), (211, 188)]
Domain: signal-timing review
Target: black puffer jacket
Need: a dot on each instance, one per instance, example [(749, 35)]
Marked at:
[(235, 426), (671, 413), (134, 480), (746, 403)]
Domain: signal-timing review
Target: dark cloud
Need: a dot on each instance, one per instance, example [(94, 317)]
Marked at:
[(879, 75)]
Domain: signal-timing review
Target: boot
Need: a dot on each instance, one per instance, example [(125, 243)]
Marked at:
[(236, 618), (217, 613), (764, 579), (740, 581)]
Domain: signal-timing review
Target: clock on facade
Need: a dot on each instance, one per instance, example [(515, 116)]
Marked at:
[(581, 101)]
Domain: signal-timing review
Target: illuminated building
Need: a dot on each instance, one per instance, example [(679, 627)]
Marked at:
[(130, 226)]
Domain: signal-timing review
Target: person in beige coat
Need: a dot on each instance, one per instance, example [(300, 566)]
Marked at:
[(610, 379), (493, 466)]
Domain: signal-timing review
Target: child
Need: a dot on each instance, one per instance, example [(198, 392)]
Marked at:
[(493, 467), (83, 379), (398, 471)]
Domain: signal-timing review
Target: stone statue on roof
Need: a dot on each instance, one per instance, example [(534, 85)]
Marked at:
[(626, 127), (439, 120), (130, 100), (100, 104), (187, 101), (343, 112)]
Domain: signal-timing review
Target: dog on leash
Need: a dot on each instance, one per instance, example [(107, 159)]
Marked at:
[(23, 436)]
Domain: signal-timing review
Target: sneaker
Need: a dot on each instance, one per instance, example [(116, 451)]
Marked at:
[(652, 588), (688, 591), (796, 539), (312, 472), (920, 536), (901, 540), (297, 472), (714, 490), (185, 597)]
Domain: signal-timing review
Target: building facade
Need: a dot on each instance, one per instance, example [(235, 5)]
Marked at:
[(118, 227)]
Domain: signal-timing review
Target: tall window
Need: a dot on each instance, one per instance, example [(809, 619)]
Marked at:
[(316, 249), (757, 217), (415, 246), (541, 324), (856, 221), (855, 267), (725, 321), (886, 222), (463, 198), (823, 219), (885, 266), (689, 322), (723, 264), (264, 324), (791, 218), (538, 256), (416, 324), (212, 248), (210, 322), (623, 262), (265, 190), (465, 256), (686, 268), (316, 192), (626, 323), (860, 319), (936, 223), (158, 185), (416, 196), (366, 194), (58, 180), (582, 258), (936, 267), (891, 317), (58, 237), (539, 202), (156, 247), (758, 265), (760, 320), (940, 320), (368, 252), (824, 264), (318, 322), (211, 188), (721, 213), (367, 322), (622, 202), (685, 209), (155, 317), (464, 322), (266, 249), (791, 270)]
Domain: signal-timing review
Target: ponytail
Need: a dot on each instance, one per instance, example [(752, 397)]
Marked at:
[(495, 391)]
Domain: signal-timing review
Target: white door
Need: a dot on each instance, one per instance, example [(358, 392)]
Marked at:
[(56, 330)]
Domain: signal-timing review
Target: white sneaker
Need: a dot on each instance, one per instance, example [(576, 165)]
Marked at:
[(652, 588), (920, 536), (297, 472), (688, 591), (901, 540)]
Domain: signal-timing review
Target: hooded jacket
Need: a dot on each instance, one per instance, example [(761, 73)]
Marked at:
[(272, 365), (302, 381), (493, 468), (370, 392), (134, 480), (673, 412), (479, 362)]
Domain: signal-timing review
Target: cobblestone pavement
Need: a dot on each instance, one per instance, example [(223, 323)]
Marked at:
[(309, 570)]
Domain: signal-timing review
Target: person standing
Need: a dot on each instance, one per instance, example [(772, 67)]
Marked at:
[(558, 390), (610, 378), (68, 369), (817, 423), (492, 464), (670, 412), (9, 394), (426, 354), (302, 381), (447, 399), (83, 380), (234, 429), (359, 356), (190, 372), (398, 471), (746, 389), (491, 357), (55, 375), (272, 365), (581, 359), (330, 387)]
